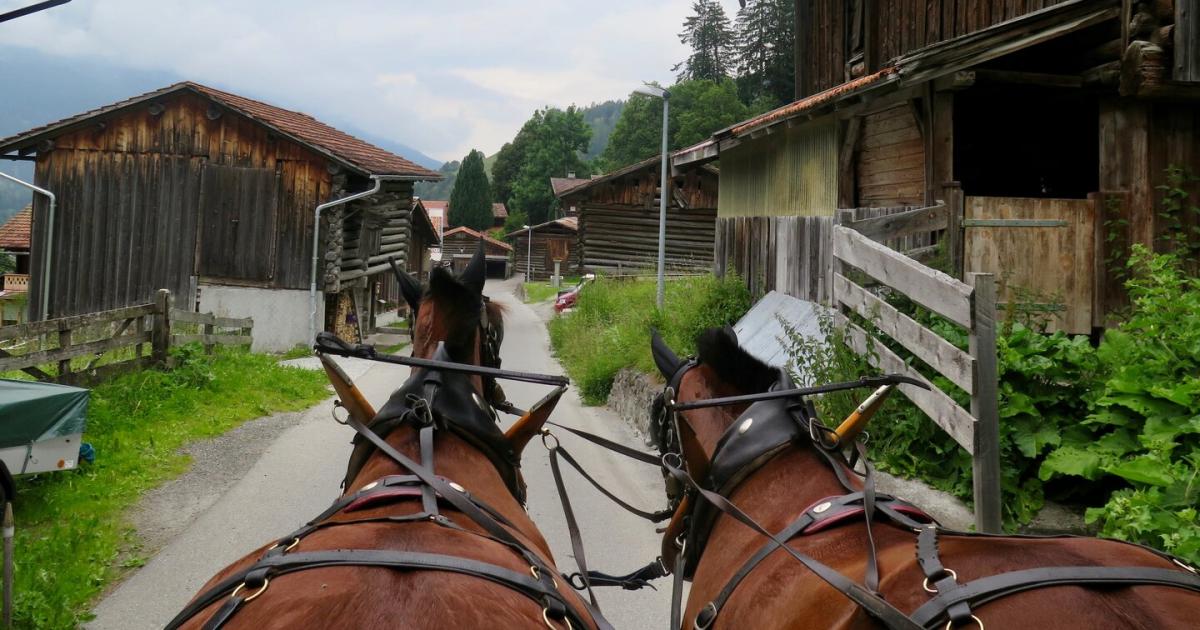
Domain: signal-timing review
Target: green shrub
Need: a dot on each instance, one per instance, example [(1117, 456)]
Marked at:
[(1123, 417), (609, 328)]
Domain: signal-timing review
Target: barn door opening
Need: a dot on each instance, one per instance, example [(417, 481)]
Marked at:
[(238, 223)]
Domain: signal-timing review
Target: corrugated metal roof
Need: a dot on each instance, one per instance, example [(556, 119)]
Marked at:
[(15, 233), (304, 129), (761, 331)]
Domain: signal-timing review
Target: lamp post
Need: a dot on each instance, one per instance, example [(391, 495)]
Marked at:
[(655, 91), (529, 253)]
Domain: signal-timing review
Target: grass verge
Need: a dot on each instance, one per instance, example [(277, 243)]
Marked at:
[(71, 532), (542, 291), (610, 326)]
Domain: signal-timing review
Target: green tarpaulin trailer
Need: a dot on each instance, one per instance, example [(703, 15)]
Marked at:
[(41, 426)]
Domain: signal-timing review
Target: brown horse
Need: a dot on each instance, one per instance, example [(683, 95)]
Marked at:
[(392, 552), (799, 480)]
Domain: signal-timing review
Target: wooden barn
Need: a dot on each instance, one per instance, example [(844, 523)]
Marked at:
[(1053, 132), (618, 218), (459, 245), (552, 240), (213, 195)]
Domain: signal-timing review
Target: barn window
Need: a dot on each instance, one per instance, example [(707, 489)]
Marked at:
[(1018, 141)]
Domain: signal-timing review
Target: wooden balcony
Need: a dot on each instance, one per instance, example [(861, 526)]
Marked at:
[(16, 282)]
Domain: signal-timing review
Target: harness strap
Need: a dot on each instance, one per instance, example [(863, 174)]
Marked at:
[(872, 603), (631, 581), (572, 526), (653, 517), (402, 560), (943, 579), (677, 591), (812, 519), (986, 589), (618, 448)]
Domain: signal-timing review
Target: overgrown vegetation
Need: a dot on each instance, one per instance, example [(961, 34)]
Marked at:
[(610, 326), (542, 291), (70, 533), (1114, 427)]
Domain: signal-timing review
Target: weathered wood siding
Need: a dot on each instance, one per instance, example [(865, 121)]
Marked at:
[(1052, 266), (891, 159), (837, 30), (132, 192), (792, 172), (464, 244), (375, 229), (626, 238), (787, 254), (126, 226), (542, 267)]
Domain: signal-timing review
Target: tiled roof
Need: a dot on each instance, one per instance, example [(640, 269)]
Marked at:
[(804, 105), (462, 229), (353, 152), (562, 184), (499, 211), (14, 234)]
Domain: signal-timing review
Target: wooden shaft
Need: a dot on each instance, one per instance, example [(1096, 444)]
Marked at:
[(857, 420), (352, 399)]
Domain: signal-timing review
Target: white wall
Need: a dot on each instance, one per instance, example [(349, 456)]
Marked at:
[(280, 316)]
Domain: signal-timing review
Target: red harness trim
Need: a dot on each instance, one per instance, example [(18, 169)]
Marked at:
[(382, 493), (848, 513)]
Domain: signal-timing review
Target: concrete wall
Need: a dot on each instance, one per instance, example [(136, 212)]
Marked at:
[(280, 316)]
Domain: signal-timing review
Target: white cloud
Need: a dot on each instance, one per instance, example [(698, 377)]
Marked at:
[(443, 77)]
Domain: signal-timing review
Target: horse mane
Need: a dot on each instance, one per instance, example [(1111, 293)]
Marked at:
[(460, 310), (719, 349)]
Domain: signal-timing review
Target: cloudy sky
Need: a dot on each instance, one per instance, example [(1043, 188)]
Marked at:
[(443, 76)]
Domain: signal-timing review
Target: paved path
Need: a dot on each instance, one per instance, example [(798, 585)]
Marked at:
[(299, 469)]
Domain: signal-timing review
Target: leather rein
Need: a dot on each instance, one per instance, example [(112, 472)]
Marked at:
[(424, 402)]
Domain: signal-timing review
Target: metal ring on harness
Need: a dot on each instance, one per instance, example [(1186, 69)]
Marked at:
[(546, 618), (266, 583), (547, 434), (979, 623), (925, 584), (333, 412)]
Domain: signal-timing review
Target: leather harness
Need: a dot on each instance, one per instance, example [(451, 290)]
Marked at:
[(439, 397), (774, 423)]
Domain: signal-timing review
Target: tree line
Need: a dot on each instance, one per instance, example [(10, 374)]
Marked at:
[(737, 69)]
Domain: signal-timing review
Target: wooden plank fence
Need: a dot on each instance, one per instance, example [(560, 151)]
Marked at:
[(972, 306), (102, 335)]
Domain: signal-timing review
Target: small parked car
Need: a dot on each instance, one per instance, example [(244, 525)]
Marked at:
[(567, 297)]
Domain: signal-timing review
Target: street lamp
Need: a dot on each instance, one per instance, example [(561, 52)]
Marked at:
[(657, 92), (528, 253)]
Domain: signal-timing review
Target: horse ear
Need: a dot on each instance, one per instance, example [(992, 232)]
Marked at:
[(530, 424), (409, 287), (476, 271), (664, 358)]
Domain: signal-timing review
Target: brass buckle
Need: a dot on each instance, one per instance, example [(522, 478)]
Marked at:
[(950, 623), (291, 545), (546, 618), (266, 583), (929, 589)]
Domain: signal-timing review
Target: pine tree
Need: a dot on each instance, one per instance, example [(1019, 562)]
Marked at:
[(763, 51), (471, 199), (710, 35)]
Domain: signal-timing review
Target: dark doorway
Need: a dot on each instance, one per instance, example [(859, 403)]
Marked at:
[(1022, 141)]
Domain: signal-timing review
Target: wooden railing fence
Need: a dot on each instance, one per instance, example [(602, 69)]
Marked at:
[(972, 306), (115, 341)]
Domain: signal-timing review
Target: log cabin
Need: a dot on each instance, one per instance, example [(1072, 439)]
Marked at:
[(212, 196), (1053, 128), (556, 238), (619, 212), (459, 245)]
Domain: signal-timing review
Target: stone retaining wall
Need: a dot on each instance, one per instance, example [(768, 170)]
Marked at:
[(632, 393)]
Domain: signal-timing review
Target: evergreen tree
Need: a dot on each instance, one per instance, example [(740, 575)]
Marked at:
[(471, 199), (710, 36), (764, 51)]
